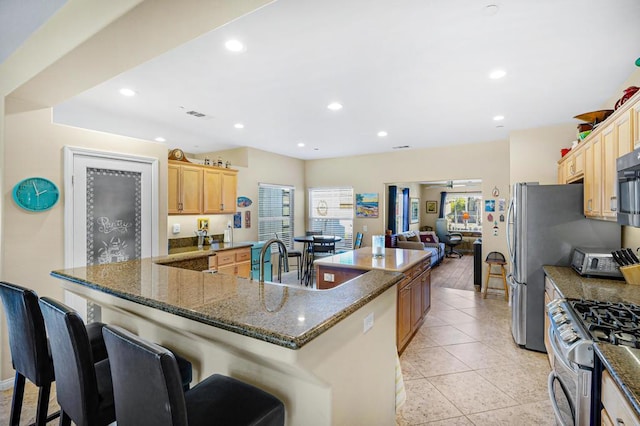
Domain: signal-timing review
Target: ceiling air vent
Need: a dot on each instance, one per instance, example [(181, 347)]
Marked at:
[(401, 147), (196, 114)]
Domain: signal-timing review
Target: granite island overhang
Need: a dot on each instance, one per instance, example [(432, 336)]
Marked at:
[(310, 348)]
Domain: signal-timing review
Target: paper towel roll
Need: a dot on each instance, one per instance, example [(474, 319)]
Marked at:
[(227, 235)]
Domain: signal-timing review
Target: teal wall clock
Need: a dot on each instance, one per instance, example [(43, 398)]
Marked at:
[(36, 194)]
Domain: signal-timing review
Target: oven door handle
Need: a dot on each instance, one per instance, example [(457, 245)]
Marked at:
[(552, 396), (557, 352)]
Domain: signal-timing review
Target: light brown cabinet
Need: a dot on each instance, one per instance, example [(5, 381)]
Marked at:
[(414, 301), (233, 262), (197, 189), (594, 161), (616, 409), (185, 189), (550, 294), (220, 189)]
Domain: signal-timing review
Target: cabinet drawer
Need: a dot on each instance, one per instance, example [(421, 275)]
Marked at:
[(225, 258), (243, 255), (615, 403), (213, 261)]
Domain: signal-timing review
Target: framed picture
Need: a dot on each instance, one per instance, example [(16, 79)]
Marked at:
[(203, 224), (367, 205), (432, 207), (415, 210)]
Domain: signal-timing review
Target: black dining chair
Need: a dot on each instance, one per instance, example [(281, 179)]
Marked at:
[(30, 349), (83, 386), (296, 254), (147, 390), (321, 246), (358, 242)]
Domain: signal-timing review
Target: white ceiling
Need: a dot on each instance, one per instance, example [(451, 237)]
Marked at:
[(417, 69)]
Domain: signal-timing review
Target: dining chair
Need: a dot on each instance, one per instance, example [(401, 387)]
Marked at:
[(30, 349), (147, 392), (297, 254), (321, 246), (83, 386), (358, 242)]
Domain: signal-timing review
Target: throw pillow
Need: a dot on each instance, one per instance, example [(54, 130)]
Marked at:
[(402, 237), (428, 237), (413, 237)]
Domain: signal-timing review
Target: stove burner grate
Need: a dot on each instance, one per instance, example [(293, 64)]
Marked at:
[(616, 323)]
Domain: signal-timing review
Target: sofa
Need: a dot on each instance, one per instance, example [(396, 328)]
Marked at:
[(423, 240)]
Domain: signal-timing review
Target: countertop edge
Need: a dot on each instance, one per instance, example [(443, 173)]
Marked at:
[(631, 397), (290, 342)]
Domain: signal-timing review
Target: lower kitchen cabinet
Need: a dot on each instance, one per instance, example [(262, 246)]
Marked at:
[(414, 301), (234, 262), (616, 409)]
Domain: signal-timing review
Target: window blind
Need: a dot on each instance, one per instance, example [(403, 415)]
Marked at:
[(275, 212), (331, 212)]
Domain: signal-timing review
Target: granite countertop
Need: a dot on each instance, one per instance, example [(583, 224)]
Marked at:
[(269, 311), (573, 286), (192, 252), (395, 260), (622, 362)]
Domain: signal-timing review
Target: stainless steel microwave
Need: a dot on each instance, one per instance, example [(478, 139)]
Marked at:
[(628, 167)]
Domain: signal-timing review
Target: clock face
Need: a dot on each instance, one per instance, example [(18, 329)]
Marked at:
[(36, 194)]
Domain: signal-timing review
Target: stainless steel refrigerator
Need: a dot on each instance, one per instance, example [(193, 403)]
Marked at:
[(545, 223)]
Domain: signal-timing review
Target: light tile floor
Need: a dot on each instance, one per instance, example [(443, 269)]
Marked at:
[(463, 368)]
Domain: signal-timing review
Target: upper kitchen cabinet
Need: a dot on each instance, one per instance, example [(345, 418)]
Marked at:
[(185, 188), (198, 189), (574, 165), (220, 190)]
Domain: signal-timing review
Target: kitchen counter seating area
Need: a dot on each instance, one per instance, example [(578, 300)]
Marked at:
[(620, 362), (303, 346)]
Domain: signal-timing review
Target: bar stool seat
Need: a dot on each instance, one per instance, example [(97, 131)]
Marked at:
[(147, 390), (496, 259)]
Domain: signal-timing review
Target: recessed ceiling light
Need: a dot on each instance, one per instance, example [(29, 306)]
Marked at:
[(334, 106), (382, 134), (300, 144), (160, 139), (496, 74), (239, 126), (234, 46), (491, 10), (127, 92), (498, 118)]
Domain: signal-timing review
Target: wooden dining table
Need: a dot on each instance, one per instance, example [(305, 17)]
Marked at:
[(307, 255)]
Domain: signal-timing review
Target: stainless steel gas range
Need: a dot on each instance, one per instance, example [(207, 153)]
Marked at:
[(574, 326)]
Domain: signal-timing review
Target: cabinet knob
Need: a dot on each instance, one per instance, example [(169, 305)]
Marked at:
[(619, 421)]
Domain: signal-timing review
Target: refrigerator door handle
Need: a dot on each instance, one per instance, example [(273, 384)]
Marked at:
[(510, 226)]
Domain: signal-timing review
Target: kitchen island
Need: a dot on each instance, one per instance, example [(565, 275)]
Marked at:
[(329, 355), (414, 291)]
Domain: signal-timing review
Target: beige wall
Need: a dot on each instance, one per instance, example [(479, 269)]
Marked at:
[(370, 173), (534, 153)]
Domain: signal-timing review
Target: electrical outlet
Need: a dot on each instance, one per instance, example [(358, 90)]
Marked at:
[(368, 322), (176, 228), (329, 278), (364, 228)]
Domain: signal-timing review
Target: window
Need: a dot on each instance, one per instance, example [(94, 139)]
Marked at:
[(275, 212), (331, 212), (463, 211)]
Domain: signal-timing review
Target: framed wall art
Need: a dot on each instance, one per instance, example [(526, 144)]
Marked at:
[(414, 210), (367, 205), (432, 207)]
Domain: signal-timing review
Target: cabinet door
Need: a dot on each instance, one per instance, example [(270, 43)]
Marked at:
[(609, 175), (229, 186), (404, 317), (589, 177), (635, 113), (227, 269), (212, 191), (416, 303), (426, 292), (547, 325), (174, 189), (191, 189), (243, 270)]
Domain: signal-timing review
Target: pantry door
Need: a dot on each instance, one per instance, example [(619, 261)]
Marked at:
[(111, 209)]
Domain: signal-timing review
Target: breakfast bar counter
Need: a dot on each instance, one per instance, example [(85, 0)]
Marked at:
[(305, 346)]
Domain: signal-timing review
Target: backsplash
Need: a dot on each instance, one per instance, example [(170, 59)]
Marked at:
[(175, 243)]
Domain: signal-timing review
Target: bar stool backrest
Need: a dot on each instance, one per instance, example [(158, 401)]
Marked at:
[(146, 381)]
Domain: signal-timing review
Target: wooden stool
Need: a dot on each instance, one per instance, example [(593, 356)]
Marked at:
[(496, 259)]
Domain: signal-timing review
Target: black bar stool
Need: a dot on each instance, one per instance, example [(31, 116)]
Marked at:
[(30, 349), (83, 386), (147, 390)]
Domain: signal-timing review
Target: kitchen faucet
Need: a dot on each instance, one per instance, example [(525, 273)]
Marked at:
[(281, 247)]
